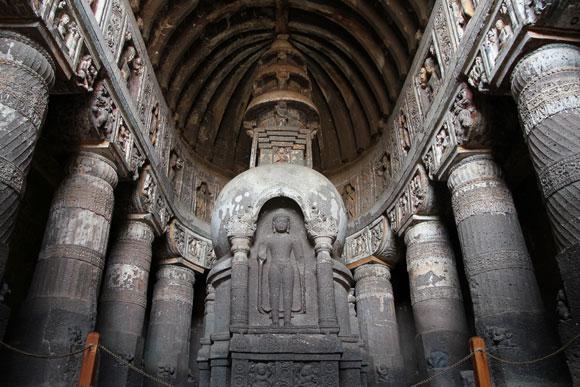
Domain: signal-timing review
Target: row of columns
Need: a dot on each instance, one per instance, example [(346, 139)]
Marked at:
[(63, 303), (507, 304)]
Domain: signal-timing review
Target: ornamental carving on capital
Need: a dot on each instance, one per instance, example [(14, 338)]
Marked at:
[(102, 111), (321, 225), (241, 225)]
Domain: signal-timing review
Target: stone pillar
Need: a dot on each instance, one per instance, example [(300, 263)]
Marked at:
[(124, 300), (208, 329), (442, 334), (26, 74), (546, 86), (61, 306), (506, 300), (378, 324), (240, 232), (167, 346), (326, 306)]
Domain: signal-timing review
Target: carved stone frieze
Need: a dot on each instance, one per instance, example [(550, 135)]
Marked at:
[(376, 240), (186, 247)]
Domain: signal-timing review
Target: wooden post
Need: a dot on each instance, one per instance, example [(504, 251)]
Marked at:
[(89, 357), (480, 363)]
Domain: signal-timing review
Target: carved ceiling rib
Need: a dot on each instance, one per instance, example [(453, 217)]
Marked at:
[(238, 47), (205, 52), (360, 120)]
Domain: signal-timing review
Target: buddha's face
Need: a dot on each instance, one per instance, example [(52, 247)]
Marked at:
[(281, 224)]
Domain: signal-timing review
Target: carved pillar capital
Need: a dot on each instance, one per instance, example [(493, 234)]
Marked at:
[(372, 270), (93, 164), (21, 51), (545, 82)]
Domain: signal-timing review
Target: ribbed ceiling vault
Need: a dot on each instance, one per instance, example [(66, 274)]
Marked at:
[(205, 53)]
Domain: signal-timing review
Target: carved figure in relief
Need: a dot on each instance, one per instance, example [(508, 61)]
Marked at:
[(477, 76), (281, 154), (62, 24), (429, 77), (127, 58), (463, 10), (195, 248), (101, 112), (86, 73), (283, 253), (491, 46), (154, 126), (202, 201), (441, 142), (429, 162), (377, 235), (562, 306), (349, 199), (72, 38), (360, 245), (505, 32), (260, 375), (383, 168), (175, 165), (124, 136), (417, 193), (404, 135)]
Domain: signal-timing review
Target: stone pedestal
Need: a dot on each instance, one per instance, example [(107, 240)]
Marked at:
[(123, 301), (546, 85), (61, 306), (167, 346), (378, 324), (506, 300), (442, 334), (26, 74)]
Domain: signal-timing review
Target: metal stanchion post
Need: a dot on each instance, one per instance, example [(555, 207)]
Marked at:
[(89, 358), (480, 363)]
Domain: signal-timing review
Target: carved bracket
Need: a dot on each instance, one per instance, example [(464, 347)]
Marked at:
[(462, 132), (184, 246), (375, 241), (416, 200)]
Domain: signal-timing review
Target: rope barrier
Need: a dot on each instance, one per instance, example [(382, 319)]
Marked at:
[(118, 358), (533, 361), (445, 370), (131, 366), (39, 356)]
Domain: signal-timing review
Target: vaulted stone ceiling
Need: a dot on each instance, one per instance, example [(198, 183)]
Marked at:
[(205, 53)]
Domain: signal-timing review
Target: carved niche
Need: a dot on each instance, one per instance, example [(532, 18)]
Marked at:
[(282, 265)]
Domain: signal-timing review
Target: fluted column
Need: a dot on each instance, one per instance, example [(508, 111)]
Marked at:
[(546, 86), (167, 346), (506, 300), (442, 332), (61, 305), (26, 75), (378, 324), (124, 300)]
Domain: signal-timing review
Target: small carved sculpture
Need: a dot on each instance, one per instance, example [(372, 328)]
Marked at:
[(477, 76), (383, 168), (562, 306), (349, 198), (505, 32), (281, 155), (202, 201), (124, 136), (175, 165), (86, 73), (417, 193), (260, 375), (438, 359), (491, 46), (101, 112), (284, 254), (154, 125), (377, 235), (404, 134), (429, 78)]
